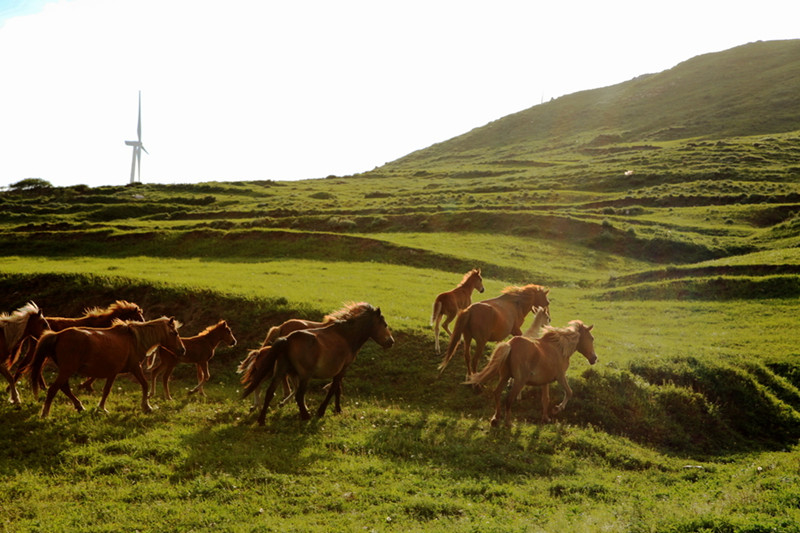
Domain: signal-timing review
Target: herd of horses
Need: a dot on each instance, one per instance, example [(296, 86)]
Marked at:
[(104, 343)]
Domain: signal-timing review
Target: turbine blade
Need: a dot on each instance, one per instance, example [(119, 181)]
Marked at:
[(139, 124)]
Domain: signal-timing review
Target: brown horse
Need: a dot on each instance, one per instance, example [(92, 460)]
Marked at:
[(95, 317), (536, 362), (449, 303), (15, 328), (199, 350), (323, 353), (102, 353), (293, 324), (493, 320)]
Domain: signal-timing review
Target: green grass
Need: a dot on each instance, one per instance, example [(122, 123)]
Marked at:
[(670, 226)]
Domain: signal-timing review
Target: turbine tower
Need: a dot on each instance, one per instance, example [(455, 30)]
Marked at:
[(136, 162)]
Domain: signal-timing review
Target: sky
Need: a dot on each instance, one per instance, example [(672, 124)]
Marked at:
[(283, 90)]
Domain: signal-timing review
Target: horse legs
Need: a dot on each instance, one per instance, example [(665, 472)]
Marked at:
[(279, 372), (12, 387), (51, 392), (87, 385), (467, 342), (106, 391), (287, 391), (154, 373), (166, 375), (139, 375), (498, 409), (58, 384), (337, 405), (545, 403), (473, 362), (567, 395), (334, 388), (75, 401), (300, 398), (516, 388), (203, 375), (436, 334)]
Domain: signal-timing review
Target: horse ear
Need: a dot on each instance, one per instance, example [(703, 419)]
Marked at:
[(589, 328)]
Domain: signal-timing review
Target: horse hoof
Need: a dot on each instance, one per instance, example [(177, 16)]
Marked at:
[(493, 422), (305, 416)]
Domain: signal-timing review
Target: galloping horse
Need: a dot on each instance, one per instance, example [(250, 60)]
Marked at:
[(324, 353), (92, 318), (449, 303), (102, 353), (293, 324), (536, 362), (26, 322), (493, 320), (199, 350)]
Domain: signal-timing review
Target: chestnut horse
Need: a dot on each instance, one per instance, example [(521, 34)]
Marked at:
[(15, 328), (92, 318), (199, 350), (102, 353), (323, 353), (449, 303), (493, 320), (536, 362)]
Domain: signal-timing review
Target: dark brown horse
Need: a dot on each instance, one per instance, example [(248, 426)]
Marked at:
[(102, 353), (493, 320), (95, 317), (25, 323), (199, 350), (536, 362), (275, 332), (322, 353), (448, 304)]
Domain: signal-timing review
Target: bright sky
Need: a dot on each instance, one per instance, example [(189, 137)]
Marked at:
[(263, 89)]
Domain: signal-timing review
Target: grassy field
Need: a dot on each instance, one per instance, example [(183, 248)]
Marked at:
[(673, 227)]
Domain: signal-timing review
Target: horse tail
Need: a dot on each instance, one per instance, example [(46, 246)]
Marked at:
[(492, 368), (44, 348), (262, 364), (437, 311), (273, 333), (458, 331)]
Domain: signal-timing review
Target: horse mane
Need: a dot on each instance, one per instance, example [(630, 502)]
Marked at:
[(563, 339), (118, 305), (210, 328), (349, 311), (14, 324), (526, 293), (469, 275)]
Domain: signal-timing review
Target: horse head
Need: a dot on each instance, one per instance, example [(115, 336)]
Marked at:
[(173, 342), (380, 331), (37, 323), (227, 335), (478, 283), (586, 342)]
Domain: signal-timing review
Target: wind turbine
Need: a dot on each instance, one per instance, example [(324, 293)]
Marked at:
[(136, 162)]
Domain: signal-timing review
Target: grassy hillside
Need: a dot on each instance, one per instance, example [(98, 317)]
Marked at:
[(665, 211)]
